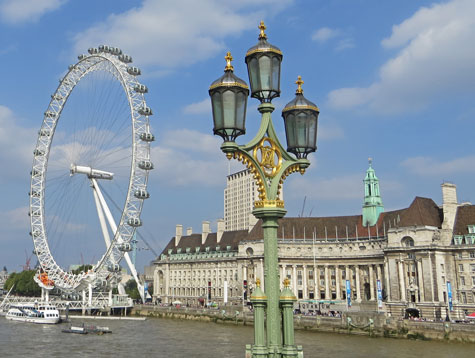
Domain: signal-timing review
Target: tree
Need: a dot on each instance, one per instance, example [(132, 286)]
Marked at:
[(24, 283), (131, 289), (82, 268)]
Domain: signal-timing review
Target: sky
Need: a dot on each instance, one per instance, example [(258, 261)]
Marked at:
[(394, 81)]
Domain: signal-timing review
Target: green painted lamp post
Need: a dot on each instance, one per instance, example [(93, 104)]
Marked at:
[(265, 157)]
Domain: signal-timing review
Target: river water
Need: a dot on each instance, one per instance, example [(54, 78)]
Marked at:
[(174, 338)]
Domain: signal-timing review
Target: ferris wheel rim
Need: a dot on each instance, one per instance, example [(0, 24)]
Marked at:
[(140, 163)]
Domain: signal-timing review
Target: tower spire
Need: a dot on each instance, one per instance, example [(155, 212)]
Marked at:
[(372, 204)]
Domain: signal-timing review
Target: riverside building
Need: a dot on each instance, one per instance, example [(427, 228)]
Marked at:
[(419, 260)]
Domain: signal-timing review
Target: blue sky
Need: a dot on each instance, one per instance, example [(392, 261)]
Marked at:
[(394, 81)]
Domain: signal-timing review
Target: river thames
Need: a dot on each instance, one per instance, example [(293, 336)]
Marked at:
[(174, 338)]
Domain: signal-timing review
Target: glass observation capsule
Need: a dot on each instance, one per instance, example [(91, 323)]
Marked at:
[(263, 66), (301, 119), (229, 100)]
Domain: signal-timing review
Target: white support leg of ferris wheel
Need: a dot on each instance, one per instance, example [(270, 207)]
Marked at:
[(102, 220), (113, 226)]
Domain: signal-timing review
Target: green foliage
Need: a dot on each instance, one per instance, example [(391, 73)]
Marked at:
[(82, 268), (24, 284), (131, 289)]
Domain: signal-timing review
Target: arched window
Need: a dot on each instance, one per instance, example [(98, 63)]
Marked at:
[(407, 241)]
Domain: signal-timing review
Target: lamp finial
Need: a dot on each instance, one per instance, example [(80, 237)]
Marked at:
[(286, 282), (258, 282), (262, 27), (299, 83), (228, 59)]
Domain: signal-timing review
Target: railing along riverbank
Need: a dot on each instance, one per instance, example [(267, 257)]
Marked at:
[(359, 323)]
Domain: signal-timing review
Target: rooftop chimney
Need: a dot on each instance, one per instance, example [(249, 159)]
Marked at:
[(178, 234), (252, 221), (449, 205), (205, 232), (220, 231), (189, 231)]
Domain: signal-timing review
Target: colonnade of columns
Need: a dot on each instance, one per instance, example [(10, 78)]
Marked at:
[(328, 281), (410, 278)]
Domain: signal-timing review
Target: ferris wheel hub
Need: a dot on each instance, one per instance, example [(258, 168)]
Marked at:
[(90, 172)]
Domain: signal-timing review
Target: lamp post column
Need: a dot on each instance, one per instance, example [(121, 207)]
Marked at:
[(270, 216)]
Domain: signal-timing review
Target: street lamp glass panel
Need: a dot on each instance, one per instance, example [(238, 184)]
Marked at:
[(229, 110), (265, 71), (217, 110), (253, 69), (241, 99), (276, 72)]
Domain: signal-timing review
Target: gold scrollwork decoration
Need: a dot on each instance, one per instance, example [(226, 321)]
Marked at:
[(269, 157), (247, 161), (292, 169)]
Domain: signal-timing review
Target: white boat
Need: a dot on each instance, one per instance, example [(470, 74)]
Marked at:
[(44, 313)]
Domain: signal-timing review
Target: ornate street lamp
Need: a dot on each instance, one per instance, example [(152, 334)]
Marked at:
[(270, 164), (300, 118), (263, 65), (229, 99)]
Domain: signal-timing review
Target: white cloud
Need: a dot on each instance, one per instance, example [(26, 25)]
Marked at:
[(201, 107), (179, 32), (344, 44), (436, 60), (323, 34), (20, 11), (16, 146), (430, 166), (188, 158)]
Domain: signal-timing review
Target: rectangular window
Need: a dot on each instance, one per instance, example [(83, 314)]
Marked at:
[(473, 280), (300, 294), (463, 297), (472, 254), (462, 281), (460, 267), (322, 282), (333, 282), (311, 295), (472, 267), (299, 277), (310, 275)]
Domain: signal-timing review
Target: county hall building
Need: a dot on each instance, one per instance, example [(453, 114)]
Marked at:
[(418, 260)]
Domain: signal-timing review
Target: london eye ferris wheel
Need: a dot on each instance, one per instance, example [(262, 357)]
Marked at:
[(90, 170)]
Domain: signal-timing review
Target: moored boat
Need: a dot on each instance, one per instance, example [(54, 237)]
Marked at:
[(43, 313), (84, 329)]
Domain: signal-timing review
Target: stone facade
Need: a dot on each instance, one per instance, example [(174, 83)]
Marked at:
[(414, 254)]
